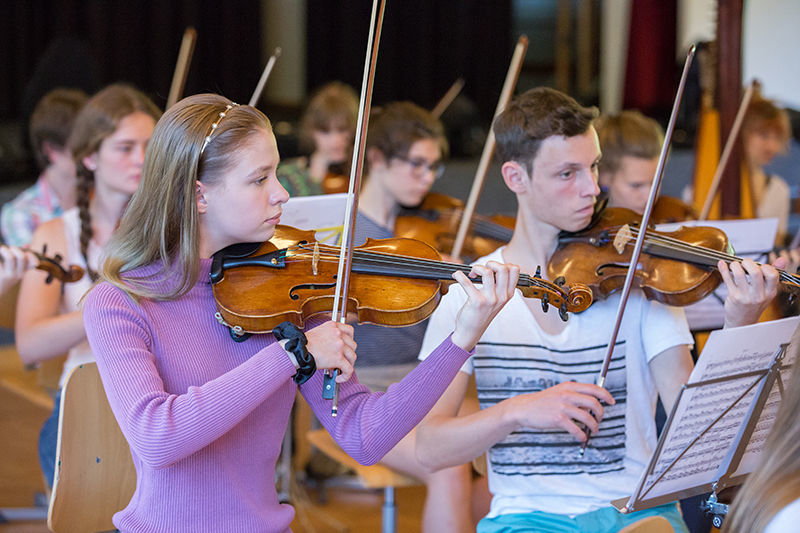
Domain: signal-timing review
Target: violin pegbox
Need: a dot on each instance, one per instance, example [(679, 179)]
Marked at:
[(576, 298), (55, 268)]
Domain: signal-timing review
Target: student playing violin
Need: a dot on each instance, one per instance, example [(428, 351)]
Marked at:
[(107, 143), (406, 146), (54, 190), (630, 143), (205, 415), (327, 129), (534, 371)]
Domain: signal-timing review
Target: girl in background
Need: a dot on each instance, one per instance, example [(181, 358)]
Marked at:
[(107, 143)]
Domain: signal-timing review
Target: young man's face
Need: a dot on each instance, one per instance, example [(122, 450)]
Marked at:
[(563, 182), (629, 186)]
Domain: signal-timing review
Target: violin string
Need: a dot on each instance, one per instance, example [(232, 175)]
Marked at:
[(702, 251), (441, 268)]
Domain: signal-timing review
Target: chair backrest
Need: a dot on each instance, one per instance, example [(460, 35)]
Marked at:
[(94, 476), (375, 476), (651, 524)]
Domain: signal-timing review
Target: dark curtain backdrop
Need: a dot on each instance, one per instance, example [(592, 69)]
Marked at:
[(425, 46), (651, 74), (91, 43)]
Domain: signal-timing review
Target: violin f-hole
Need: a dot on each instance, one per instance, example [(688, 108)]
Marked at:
[(310, 287)]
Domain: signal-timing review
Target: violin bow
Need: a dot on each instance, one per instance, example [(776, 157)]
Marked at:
[(637, 249), (182, 66), (448, 98), (264, 77), (488, 148), (330, 389), (726, 152)]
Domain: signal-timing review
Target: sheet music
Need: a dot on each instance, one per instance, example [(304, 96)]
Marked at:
[(324, 213), (752, 453), (750, 238), (730, 351)]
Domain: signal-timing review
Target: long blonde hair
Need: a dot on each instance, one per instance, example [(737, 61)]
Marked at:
[(775, 482), (161, 224), (99, 119)]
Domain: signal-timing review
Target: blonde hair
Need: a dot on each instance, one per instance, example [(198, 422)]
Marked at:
[(99, 119), (332, 104), (763, 115), (161, 224), (628, 134), (775, 482)]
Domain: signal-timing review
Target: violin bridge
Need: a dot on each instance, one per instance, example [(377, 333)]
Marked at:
[(622, 238), (315, 260)]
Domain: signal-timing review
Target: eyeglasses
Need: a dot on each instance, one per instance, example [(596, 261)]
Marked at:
[(419, 166)]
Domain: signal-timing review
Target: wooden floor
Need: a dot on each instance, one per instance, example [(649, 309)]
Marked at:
[(24, 407)]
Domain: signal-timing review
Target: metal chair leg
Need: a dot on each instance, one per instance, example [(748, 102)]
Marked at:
[(389, 511)]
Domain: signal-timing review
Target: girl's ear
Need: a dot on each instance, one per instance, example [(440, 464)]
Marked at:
[(90, 162), (200, 197)]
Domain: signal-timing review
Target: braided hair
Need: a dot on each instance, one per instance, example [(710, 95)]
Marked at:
[(99, 118)]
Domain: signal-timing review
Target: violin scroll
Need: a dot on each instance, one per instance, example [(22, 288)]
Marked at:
[(54, 267)]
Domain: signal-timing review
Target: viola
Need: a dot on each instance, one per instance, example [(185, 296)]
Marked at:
[(676, 268), (436, 220), (394, 282)]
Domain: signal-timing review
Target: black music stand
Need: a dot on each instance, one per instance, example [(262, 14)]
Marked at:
[(713, 436)]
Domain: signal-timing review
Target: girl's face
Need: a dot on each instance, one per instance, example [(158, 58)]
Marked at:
[(335, 143), (762, 145), (117, 164), (408, 179), (245, 203)]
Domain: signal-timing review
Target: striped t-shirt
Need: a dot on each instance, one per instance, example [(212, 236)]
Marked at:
[(533, 470)]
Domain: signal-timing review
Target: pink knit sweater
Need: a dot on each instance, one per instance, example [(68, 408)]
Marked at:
[(205, 415)]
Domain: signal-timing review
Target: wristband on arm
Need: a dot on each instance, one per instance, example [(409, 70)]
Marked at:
[(296, 345)]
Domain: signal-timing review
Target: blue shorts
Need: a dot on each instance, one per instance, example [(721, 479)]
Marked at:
[(606, 520)]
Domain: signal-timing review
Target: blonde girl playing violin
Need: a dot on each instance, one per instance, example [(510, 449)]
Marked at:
[(205, 415), (107, 143)]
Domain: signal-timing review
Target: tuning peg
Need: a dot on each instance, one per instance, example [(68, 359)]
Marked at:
[(49, 279), (538, 272), (545, 302), (57, 258), (560, 281), (562, 313)]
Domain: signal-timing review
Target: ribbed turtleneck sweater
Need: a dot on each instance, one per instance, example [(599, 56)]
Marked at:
[(205, 416)]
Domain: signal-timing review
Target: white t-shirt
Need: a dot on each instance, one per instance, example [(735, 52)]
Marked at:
[(786, 520), (776, 202), (534, 470)]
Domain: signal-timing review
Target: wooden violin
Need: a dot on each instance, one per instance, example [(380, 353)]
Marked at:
[(334, 181), (436, 220), (668, 209), (676, 268), (54, 267), (394, 282)]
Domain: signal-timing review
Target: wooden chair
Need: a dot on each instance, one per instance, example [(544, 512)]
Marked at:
[(95, 476), (651, 524), (372, 477)]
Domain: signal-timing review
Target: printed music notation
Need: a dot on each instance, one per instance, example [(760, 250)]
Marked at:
[(704, 431)]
